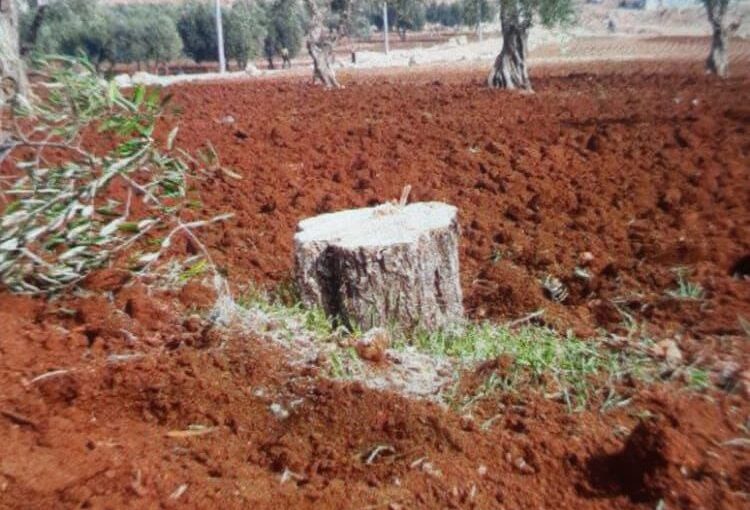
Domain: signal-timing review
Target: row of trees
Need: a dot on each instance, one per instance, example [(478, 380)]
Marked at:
[(148, 33), (510, 70), (154, 34)]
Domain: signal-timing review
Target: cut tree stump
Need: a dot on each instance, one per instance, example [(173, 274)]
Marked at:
[(384, 265)]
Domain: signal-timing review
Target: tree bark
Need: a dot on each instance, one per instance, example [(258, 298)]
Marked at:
[(510, 70), (718, 61), (320, 44), (382, 265), (12, 69)]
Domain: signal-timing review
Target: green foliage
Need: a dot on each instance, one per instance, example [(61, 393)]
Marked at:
[(117, 34), (408, 15), (285, 20), (567, 368), (142, 33), (552, 12), (70, 28), (245, 31), (446, 14), (475, 11), (549, 12), (685, 288), (403, 15), (359, 23), (62, 215), (197, 28)]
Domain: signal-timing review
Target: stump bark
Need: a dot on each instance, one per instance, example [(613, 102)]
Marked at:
[(382, 265)]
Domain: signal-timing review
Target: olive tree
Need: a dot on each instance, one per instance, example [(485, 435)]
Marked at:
[(718, 59), (475, 12), (197, 28), (12, 72), (143, 34), (510, 70), (245, 31), (284, 29), (71, 27), (323, 34)]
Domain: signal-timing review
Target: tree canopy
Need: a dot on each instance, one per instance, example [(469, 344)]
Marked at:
[(245, 31), (285, 22)]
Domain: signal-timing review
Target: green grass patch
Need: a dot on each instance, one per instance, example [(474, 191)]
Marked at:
[(685, 288), (565, 367)]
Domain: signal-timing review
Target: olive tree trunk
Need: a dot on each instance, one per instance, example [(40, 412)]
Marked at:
[(12, 70), (320, 43), (384, 265), (718, 61), (510, 70)]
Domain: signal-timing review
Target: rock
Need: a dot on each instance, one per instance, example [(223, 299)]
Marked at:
[(142, 77), (412, 61), (193, 323), (278, 411), (467, 423), (252, 70), (376, 266), (373, 344), (726, 373), (669, 352), (123, 80)]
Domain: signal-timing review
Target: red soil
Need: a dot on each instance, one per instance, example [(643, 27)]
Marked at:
[(641, 172), (642, 166)]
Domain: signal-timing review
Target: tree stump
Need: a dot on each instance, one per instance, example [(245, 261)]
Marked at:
[(382, 265)]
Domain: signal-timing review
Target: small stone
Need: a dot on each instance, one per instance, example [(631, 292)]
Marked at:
[(373, 344), (467, 423), (252, 70), (430, 469), (279, 412), (193, 323), (726, 373), (482, 470), (669, 352), (123, 80), (523, 466), (586, 257)]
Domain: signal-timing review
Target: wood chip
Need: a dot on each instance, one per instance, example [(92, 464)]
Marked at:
[(193, 432)]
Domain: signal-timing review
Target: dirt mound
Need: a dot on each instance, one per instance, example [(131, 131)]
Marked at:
[(232, 425), (655, 459)]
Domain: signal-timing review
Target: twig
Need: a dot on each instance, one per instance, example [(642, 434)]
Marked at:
[(527, 318), (20, 419), (47, 375), (377, 451), (194, 432)]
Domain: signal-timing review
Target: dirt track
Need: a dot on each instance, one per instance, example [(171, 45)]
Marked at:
[(642, 166)]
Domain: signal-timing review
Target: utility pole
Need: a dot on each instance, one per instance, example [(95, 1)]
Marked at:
[(385, 26), (220, 38)]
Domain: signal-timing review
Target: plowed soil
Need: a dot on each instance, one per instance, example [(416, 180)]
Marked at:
[(627, 175), (626, 171)]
